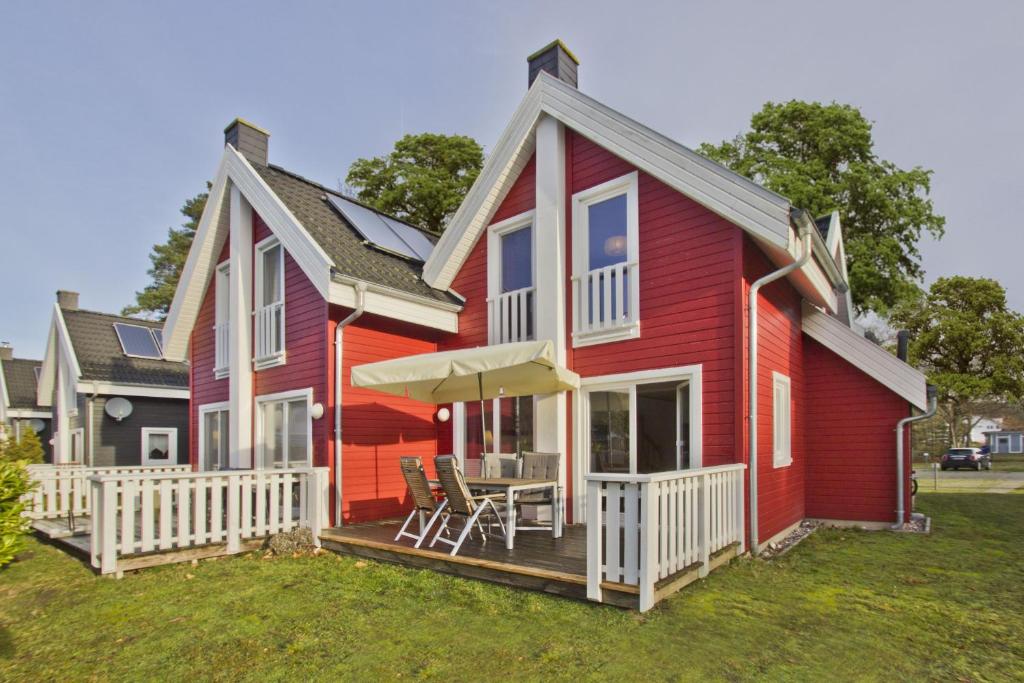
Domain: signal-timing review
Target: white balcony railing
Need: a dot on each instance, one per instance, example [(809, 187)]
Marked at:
[(511, 316), (221, 343), (269, 331), (61, 490), (605, 299), (644, 528)]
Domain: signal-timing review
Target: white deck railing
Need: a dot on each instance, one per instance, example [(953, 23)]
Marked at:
[(511, 316), (221, 345), (269, 331), (142, 513), (62, 489), (605, 298), (644, 528)]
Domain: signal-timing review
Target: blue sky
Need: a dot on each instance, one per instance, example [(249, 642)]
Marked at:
[(111, 114)]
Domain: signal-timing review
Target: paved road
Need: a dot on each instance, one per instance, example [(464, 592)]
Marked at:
[(986, 481)]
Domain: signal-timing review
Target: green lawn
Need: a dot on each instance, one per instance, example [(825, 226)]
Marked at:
[(843, 605)]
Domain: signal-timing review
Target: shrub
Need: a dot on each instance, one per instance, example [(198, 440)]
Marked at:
[(14, 483), (28, 449)]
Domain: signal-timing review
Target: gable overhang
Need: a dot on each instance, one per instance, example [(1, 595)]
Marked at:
[(874, 361), (235, 171), (140, 390), (58, 349), (761, 213)]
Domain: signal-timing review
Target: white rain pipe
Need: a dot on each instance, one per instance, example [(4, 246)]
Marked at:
[(360, 288), (805, 255), (933, 405)]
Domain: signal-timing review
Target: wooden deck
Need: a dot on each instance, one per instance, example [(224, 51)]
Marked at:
[(538, 562)]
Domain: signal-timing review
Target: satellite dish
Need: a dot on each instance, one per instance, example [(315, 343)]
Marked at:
[(118, 408), (36, 424)]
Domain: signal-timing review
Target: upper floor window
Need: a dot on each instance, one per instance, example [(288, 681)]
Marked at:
[(606, 251), (222, 325), (269, 342), (782, 452), (511, 280)]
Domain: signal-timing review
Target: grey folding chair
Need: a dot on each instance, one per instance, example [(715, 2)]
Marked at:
[(499, 465), (423, 500), (461, 503), (538, 466)]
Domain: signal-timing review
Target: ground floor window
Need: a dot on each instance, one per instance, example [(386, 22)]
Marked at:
[(213, 437), (641, 423), (284, 430), (76, 445), (510, 426), (159, 446)]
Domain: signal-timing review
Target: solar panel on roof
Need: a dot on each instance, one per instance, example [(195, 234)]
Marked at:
[(383, 232), (137, 340), (159, 336)]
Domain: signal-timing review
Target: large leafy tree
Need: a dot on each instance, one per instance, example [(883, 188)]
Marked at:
[(423, 180), (821, 157), (167, 260), (969, 343)]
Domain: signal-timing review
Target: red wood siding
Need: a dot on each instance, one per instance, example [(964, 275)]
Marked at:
[(780, 349), (851, 472), (688, 271), (379, 428), (204, 388), (305, 320)]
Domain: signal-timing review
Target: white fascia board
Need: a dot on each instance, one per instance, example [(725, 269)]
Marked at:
[(209, 240), (810, 280), (58, 350), (26, 414), (885, 368), (755, 209), (4, 398), (198, 269), (114, 389), (387, 303)]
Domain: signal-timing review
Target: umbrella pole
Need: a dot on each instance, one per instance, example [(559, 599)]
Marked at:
[(483, 417)]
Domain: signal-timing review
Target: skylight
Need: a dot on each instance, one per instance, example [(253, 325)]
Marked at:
[(139, 341)]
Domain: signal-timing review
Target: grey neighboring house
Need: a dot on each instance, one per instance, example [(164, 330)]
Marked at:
[(1005, 441), (19, 409), (115, 401)]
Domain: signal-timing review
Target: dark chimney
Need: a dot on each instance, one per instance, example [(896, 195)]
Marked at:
[(249, 139), (67, 300), (557, 60), (6, 351), (903, 345)]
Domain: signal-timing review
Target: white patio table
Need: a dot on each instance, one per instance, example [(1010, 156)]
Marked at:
[(511, 486)]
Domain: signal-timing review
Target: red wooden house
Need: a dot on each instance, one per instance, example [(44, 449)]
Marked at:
[(633, 254)]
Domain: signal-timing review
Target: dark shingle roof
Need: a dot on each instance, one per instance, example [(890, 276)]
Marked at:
[(20, 380), (101, 358), (351, 255), (823, 223)]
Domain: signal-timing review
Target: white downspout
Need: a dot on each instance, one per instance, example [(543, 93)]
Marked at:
[(805, 255), (933, 404), (360, 288)]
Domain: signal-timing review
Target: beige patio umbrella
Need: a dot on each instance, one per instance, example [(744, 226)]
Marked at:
[(480, 373)]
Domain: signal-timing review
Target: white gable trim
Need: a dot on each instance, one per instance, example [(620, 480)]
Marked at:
[(58, 348), (737, 199), (5, 401), (115, 389), (866, 356)]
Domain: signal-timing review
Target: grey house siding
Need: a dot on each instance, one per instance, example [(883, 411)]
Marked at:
[(116, 444), (999, 442)]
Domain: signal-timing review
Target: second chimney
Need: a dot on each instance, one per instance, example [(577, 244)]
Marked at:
[(250, 140), (67, 300), (6, 351), (557, 60), (903, 345)]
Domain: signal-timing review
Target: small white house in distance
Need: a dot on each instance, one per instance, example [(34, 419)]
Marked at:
[(983, 426), (1000, 441)]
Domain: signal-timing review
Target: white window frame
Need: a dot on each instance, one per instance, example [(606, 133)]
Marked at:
[(78, 456), (494, 234), (581, 201), (222, 316), (258, 303), (782, 420), (285, 396), (172, 445), (204, 410)]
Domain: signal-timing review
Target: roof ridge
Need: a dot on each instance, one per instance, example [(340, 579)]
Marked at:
[(125, 318)]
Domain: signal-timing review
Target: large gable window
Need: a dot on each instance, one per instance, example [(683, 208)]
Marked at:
[(269, 342), (606, 296), (511, 293)]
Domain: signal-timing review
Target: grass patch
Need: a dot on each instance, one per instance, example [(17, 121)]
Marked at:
[(843, 605)]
